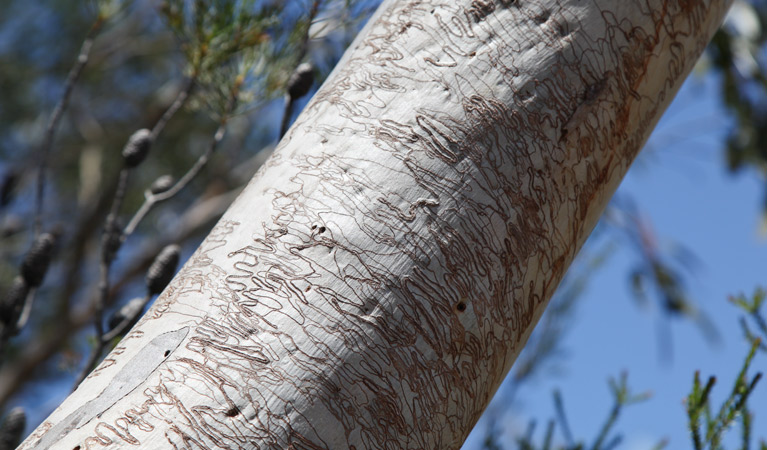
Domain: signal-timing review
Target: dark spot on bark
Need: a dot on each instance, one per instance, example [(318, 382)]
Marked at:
[(167, 352), (77, 447), (593, 90), (307, 288), (321, 230), (473, 54), (543, 17), (525, 94), (461, 306), (233, 411), (314, 227)]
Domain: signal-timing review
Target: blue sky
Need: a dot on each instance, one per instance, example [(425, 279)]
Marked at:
[(682, 187)]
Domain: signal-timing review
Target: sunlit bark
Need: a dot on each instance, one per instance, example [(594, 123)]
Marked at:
[(376, 280)]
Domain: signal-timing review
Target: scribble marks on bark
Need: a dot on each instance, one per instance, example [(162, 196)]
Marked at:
[(410, 228)]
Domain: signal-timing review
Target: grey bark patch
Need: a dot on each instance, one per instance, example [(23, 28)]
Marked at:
[(133, 374)]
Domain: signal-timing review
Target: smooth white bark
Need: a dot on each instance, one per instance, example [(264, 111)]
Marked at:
[(376, 280)]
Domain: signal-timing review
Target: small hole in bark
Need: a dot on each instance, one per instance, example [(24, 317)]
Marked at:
[(307, 288), (77, 447), (473, 54), (321, 230), (461, 306), (314, 227), (167, 352), (233, 411), (543, 17)]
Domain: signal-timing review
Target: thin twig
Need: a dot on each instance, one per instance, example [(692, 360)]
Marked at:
[(562, 417), (303, 48), (104, 339), (286, 113), (26, 311), (85, 229), (58, 111), (109, 247), (123, 326), (180, 100), (151, 199), (108, 244), (549, 434), (304, 44), (614, 412), (91, 362)]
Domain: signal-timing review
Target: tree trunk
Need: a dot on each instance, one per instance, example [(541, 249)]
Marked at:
[(375, 281)]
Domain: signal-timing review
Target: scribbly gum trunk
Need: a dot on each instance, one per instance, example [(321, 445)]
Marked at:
[(376, 280)]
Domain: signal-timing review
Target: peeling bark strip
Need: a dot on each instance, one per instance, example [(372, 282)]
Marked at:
[(376, 280)]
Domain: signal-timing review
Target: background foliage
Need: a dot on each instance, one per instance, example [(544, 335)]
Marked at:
[(209, 79)]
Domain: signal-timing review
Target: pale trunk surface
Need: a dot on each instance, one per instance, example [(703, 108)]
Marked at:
[(376, 280)]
